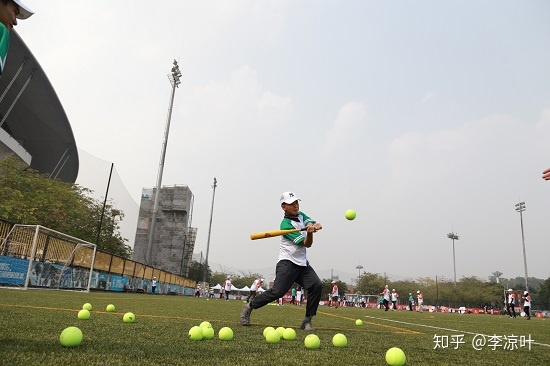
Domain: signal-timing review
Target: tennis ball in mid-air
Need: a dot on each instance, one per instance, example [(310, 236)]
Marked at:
[(312, 341), (395, 357), (339, 340), (225, 334), (272, 336), (70, 337), (110, 308), (87, 306), (195, 333), (129, 318), (267, 330), (358, 322), (289, 334), (83, 314), (205, 324), (350, 214), (207, 332)]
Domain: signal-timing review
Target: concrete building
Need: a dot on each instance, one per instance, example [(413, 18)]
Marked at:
[(174, 238)]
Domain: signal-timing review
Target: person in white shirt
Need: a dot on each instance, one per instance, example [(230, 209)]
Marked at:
[(394, 297), (293, 265), (511, 303), (254, 288), (386, 298), (227, 288), (527, 304), (419, 300)]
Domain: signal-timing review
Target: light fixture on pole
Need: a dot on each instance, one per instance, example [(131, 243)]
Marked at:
[(174, 78), (359, 267), (520, 207), (454, 237)]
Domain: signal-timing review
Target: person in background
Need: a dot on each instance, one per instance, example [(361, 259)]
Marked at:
[(10, 11), (527, 304), (386, 295), (154, 285), (411, 301), (227, 287), (394, 297), (419, 300), (511, 303), (299, 296), (334, 295), (254, 288)]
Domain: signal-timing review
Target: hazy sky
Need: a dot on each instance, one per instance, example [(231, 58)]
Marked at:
[(425, 117)]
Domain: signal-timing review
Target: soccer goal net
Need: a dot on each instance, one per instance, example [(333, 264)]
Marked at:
[(33, 256)]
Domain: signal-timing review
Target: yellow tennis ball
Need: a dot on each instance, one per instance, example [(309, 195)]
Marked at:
[(280, 330), (70, 337), (83, 314), (267, 330), (195, 333), (110, 308), (205, 324), (272, 336), (312, 341), (339, 340), (207, 332), (350, 214), (87, 306), (289, 334), (225, 334), (129, 318), (358, 322), (395, 357)]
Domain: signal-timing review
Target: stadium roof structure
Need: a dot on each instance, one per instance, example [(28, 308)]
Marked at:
[(33, 123)]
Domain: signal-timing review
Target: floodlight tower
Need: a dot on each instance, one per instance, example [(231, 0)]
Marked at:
[(520, 207), (174, 78), (453, 237), (209, 230), (359, 267)]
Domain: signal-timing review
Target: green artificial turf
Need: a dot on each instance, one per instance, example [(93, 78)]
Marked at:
[(31, 322)]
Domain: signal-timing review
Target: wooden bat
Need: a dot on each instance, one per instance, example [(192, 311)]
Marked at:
[(269, 234)]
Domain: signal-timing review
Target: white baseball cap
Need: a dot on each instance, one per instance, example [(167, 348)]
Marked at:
[(333, 282), (289, 197), (510, 290), (24, 11), (525, 292)]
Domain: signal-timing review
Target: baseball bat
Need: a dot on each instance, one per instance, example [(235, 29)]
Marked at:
[(269, 234)]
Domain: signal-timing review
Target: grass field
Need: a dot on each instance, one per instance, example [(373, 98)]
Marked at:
[(31, 322)]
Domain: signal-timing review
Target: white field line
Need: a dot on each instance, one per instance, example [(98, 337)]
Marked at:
[(441, 328)]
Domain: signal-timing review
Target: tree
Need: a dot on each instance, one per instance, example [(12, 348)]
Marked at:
[(542, 300), (31, 198), (196, 272)]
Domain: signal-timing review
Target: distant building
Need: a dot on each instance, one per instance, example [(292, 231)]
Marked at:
[(174, 238)]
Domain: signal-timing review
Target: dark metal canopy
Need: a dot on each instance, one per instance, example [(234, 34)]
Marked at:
[(33, 115)]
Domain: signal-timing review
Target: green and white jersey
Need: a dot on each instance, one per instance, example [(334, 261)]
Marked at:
[(4, 45), (291, 247)]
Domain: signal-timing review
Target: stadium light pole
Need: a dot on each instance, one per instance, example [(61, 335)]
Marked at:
[(520, 207), (174, 78), (359, 267), (453, 237), (209, 231)]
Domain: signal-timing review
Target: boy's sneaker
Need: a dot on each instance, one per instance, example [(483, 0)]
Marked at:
[(245, 315), (306, 324)]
